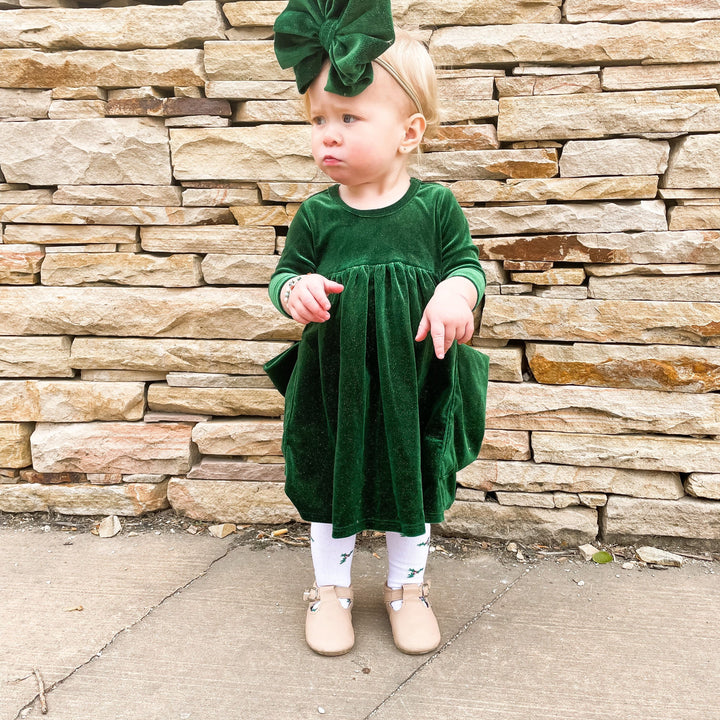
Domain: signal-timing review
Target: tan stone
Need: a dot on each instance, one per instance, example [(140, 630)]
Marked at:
[(266, 152), (238, 437), (485, 164), (696, 289), (63, 400), (616, 321), (173, 354), (650, 270), (640, 452), (251, 13), (122, 269), (107, 447), (243, 61), (231, 501), (219, 197), (229, 239), (113, 151), (563, 500), (267, 111), (19, 264), (21, 68), (703, 485), (217, 380), (23, 197), (73, 109), (461, 137), (87, 92), (68, 235), (694, 162), (484, 520), (112, 215), (565, 292), (688, 521), (459, 110), (541, 189), (35, 357), (15, 445), (30, 475), (694, 218), (549, 85), (524, 499), (540, 477), (644, 247), (596, 115), (216, 401), (592, 499), (557, 276), (84, 499), (619, 156), (118, 28), (238, 269), (251, 89), (583, 44), (494, 272), (573, 218), (505, 363), (649, 77), (259, 215), (204, 312), (626, 10), (24, 103), (647, 367), (531, 406), (468, 495), (233, 469), (121, 376), (118, 195), (468, 12)]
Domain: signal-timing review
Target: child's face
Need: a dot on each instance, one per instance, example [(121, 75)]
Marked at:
[(357, 140)]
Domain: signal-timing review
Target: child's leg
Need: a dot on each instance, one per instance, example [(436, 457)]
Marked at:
[(407, 558), (328, 621), (332, 557)]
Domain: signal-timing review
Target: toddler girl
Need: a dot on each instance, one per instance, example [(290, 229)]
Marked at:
[(382, 403)]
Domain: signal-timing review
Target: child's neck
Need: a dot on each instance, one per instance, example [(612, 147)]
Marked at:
[(376, 195)]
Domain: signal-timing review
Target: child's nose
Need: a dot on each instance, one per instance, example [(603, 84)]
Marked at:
[(332, 136)]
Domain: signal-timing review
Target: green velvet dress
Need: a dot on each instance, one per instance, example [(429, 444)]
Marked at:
[(375, 425)]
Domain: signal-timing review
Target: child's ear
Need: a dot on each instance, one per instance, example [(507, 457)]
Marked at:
[(414, 131)]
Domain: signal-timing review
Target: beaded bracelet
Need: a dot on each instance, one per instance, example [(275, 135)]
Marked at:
[(288, 287)]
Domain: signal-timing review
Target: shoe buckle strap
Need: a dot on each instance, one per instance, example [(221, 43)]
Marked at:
[(312, 594)]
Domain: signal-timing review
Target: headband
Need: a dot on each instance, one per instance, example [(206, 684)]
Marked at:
[(403, 84), (352, 33)]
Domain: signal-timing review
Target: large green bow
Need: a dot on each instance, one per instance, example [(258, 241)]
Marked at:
[(352, 33)]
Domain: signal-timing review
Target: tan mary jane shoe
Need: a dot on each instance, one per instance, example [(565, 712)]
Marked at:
[(328, 623), (414, 626)]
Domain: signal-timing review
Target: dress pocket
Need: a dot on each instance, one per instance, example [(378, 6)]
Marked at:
[(281, 367)]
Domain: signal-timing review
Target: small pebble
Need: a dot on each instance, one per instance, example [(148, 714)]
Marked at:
[(627, 566), (321, 710)]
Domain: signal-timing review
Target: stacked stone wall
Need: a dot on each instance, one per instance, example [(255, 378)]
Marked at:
[(152, 156)]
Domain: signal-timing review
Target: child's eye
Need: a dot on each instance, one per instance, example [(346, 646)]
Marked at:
[(318, 120), (348, 118)]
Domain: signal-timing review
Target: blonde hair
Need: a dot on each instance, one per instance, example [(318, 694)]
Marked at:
[(409, 59)]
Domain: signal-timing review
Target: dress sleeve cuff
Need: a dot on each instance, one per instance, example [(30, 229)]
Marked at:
[(476, 277)]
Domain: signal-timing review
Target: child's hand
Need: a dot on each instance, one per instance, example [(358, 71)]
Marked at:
[(308, 301), (448, 316)]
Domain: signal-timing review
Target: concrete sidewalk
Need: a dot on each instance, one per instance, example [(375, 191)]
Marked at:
[(171, 626)]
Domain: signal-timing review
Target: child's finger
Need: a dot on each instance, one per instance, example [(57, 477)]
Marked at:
[(437, 332), (423, 328), (332, 287)]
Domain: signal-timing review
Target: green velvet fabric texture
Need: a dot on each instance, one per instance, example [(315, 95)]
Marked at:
[(351, 33), (375, 425)]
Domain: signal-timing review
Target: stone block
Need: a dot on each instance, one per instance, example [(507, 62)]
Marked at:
[(486, 520), (645, 247), (35, 357), (20, 68), (640, 452), (694, 217), (462, 137), (70, 401), (565, 408), (647, 367), (217, 380), (244, 153), (688, 521), (631, 287), (468, 12), (703, 485), (556, 276), (231, 501), (597, 115), (694, 162), (204, 312), (582, 44), (15, 445), (542, 477), (68, 235), (251, 60), (233, 469), (649, 77), (238, 269), (16, 103), (73, 109), (239, 437), (162, 195), (113, 447), (84, 499), (113, 151), (505, 445), (525, 499), (570, 217), (629, 10), (223, 239), (619, 156), (612, 321), (20, 264), (236, 357), (117, 28), (547, 85), (505, 364), (122, 269), (216, 401)]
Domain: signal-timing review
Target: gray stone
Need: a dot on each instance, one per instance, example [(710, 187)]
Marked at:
[(656, 556)]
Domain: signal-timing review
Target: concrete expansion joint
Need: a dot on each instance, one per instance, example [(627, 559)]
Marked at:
[(461, 631), (47, 690)]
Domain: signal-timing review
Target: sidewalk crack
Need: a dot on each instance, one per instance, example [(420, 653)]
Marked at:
[(485, 609), (25, 708)]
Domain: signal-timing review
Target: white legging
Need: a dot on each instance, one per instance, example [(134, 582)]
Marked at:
[(332, 557)]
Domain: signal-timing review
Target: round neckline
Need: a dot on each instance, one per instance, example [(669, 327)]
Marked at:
[(375, 212)]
